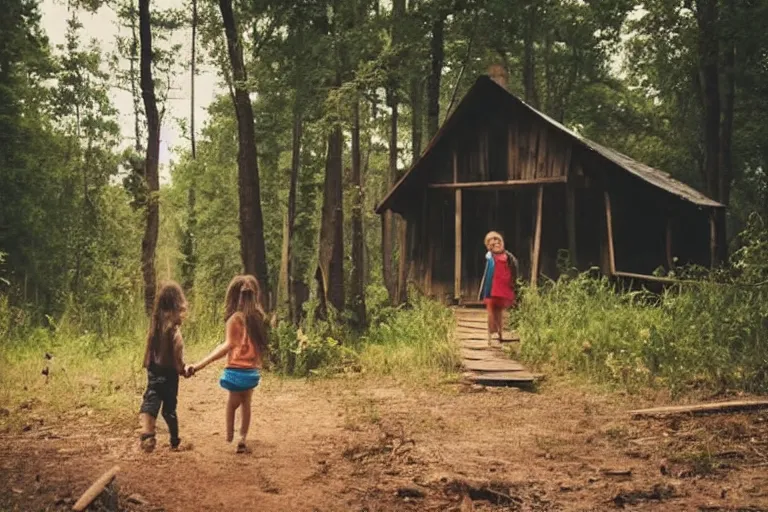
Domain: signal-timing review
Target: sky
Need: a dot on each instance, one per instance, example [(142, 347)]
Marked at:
[(103, 27)]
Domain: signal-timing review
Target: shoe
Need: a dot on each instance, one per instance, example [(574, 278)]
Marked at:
[(241, 448), (175, 444)]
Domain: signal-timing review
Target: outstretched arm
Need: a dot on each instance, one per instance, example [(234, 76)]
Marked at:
[(215, 355)]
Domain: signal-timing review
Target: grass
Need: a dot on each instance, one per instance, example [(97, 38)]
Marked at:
[(87, 373), (411, 342), (98, 373), (705, 336)]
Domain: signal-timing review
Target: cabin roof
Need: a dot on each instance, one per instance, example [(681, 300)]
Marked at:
[(483, 87)]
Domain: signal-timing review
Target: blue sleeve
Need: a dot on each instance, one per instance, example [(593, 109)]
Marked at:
[(485, 290)]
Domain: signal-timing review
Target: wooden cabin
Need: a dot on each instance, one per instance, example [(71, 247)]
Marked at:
[(559, 200)]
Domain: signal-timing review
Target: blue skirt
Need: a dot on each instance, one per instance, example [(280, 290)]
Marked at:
[(239, 379)]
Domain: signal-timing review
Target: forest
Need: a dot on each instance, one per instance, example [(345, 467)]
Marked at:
[(322, 106)]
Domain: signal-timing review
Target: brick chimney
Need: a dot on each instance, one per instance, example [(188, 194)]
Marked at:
[(498, 74)]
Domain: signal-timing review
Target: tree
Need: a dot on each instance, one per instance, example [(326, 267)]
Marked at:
[(358, 241), (188, 242), (252, 248), (330, 272), (152, 157), (388, 226)]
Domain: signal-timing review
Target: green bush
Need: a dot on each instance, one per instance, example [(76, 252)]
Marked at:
[(294, 352)]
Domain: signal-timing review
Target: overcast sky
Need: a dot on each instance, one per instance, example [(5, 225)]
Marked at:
[(103, 27)]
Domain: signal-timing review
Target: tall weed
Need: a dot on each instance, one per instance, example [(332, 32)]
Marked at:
[(707, 334), (410, 340)]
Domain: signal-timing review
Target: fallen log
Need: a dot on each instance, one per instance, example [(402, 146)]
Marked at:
[(696, 409), (95, 489)]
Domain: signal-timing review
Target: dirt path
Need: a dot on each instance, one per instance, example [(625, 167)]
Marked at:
[(361, 444)]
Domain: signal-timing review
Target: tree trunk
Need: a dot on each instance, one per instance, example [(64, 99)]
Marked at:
[(387, 242), (708, 53), (149, 242), (529, 58), (436, 71), (549, 76), (252, 248), (358, 241), (330, 273), (417, 117), (188, 247), (286, 267), (726, 128), (134, 92), (388, 224)]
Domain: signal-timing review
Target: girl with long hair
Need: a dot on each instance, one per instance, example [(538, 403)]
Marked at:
[(245, 346)]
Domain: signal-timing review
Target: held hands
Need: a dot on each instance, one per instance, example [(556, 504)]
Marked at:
[(189, 371)]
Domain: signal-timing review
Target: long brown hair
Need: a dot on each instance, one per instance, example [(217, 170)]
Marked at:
[(166, 316), (242, 297)]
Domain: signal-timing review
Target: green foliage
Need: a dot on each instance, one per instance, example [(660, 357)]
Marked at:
[(294, 352), (709, 334), (405, 341), (410, 340)]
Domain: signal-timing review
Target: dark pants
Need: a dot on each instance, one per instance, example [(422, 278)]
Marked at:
[(162, 388)]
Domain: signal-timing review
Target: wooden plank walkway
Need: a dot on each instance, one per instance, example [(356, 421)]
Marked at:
[(484, 364)]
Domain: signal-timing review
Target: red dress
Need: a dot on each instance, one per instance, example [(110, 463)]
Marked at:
[(502, 293)]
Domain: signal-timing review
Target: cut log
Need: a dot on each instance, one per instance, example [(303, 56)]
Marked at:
[(696, 409), (494, 366), (95, 489)]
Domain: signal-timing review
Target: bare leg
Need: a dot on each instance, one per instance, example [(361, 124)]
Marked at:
[(232, 404), (500, 323), (491, 322), (245, 419)]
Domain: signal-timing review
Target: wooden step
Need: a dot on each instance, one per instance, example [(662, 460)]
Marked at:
[(502, 378), (484, 364), (509, 336), (474, 344), (482, 354), (493, 366), (472, 324)]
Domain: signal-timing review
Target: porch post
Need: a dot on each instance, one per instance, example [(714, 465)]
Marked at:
[(457, 254), (537, 238), (712, 240), (457, 232), (609, 223)]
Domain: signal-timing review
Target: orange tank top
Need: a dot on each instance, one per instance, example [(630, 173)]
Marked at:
[(243, 353)]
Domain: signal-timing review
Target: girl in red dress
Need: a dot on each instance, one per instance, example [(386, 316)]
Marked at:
[(498, 286)]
